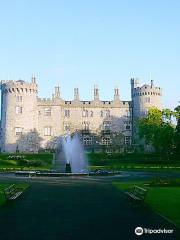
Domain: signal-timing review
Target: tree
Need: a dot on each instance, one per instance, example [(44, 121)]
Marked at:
[(157, 130), (177, 130), (167, 115)]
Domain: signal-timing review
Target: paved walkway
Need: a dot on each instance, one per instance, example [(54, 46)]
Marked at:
[(70, 209)]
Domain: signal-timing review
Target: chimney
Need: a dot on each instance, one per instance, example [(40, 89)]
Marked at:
[(33, 79), (76, 94), (152, 83), (116, 93), (57, 92), (96, 92)]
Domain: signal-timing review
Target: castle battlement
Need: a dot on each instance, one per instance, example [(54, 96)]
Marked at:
[(18, 86)]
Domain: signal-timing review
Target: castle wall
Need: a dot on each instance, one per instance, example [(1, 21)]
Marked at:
[(29, 123), (74, 115)]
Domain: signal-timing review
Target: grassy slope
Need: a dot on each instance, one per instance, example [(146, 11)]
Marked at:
[(163, 200), (44, 158), (5, 185)]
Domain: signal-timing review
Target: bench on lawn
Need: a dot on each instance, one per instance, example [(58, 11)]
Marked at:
[(12, 192), (137, 193)]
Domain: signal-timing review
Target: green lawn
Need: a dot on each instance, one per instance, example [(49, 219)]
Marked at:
[(164, 200), (41, 161), (5, 185)]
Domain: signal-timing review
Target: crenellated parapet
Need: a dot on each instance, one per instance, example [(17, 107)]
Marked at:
[(147, 90), (20, 86)]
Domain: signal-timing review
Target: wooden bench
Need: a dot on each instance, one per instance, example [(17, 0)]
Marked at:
[(12, 192), (137, 193)]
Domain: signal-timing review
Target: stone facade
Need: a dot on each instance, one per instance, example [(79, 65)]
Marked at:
[(29, 123)]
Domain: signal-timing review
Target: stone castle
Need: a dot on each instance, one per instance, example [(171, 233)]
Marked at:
[(29, 123)]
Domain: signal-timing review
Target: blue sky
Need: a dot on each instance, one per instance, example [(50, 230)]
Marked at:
[(82, 43)]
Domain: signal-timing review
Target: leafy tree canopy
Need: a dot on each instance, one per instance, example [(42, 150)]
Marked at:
[(157, 130)]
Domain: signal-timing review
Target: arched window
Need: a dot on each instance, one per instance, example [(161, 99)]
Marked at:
[(101, 114), (67, 113), (107, 113), (85, 125), (47, 112), (85, 113)]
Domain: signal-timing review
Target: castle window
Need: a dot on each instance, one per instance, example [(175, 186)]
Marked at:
[(47, 131), (107, 113), (106, 141), (128, 113), (47, 112), (147, 100), (106, 125), (66, 127), (18, 110), (87, 140), (91, 113), (67, 113), (18, 98), (18, 131), (127, 140), (128, 127), (85, 125), (101, 114), (85, 113)]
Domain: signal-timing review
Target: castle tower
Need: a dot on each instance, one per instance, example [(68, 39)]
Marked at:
[(134, 84), (76, 94), (18, 114), (144, 97)]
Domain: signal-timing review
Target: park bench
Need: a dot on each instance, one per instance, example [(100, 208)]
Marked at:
[(12, 192), (137, 193)]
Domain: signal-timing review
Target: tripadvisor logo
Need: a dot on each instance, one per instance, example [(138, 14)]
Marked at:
[(139, 231)]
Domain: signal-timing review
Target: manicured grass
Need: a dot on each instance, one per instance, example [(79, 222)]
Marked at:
[(129, 185), (6, 185), (164, 200), (41, 161)]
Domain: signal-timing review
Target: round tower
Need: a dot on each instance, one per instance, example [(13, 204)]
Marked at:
[(145, 97), (18, 114)]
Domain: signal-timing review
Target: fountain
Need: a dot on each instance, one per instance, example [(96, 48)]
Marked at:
[(71, 154)]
